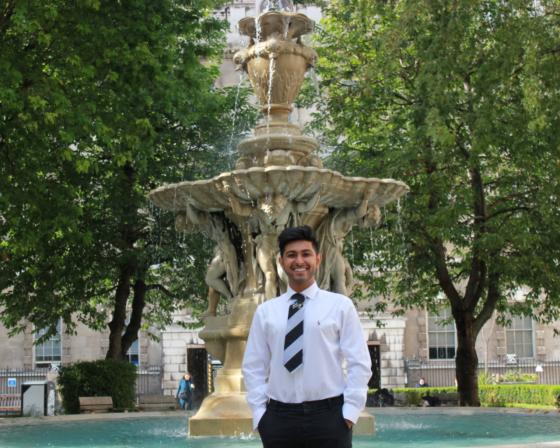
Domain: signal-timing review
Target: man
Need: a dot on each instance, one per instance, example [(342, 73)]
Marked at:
[(296, 386)]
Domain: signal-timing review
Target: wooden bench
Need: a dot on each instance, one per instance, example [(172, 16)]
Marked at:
[(96, 404), (156, 402)]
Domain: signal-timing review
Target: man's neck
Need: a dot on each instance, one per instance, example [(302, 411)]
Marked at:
[(299, 287)]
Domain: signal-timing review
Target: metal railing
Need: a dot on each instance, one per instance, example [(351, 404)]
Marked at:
[(149, 381), (11, 381), (442, 372)]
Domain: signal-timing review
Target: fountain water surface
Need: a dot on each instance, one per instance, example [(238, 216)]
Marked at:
[(278, 181)]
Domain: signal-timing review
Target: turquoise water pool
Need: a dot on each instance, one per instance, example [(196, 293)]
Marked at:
[(394, 429)]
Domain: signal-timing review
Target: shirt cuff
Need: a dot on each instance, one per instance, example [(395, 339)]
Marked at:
[(257, 415), (350, 412)]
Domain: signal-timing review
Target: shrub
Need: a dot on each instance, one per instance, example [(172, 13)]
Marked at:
[(519, 394), (491, 395), (486, 378), (413, 396), (515, 376), (107, 377)]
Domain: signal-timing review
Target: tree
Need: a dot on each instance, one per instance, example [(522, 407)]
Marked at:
[(460, 100), (100, 102)]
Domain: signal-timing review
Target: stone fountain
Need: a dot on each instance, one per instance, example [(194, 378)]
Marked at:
[(278, 181)]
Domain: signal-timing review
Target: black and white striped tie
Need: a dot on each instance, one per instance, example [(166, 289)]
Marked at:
[(293, 343)]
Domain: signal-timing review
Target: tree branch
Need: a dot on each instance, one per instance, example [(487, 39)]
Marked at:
[(509, 197), (477, 276), (442, 273), (508, 210), (6, 14), (489, 306), (438, 250), (160, 288)]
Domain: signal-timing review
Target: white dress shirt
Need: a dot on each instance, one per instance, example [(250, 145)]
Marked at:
[(332, 333)]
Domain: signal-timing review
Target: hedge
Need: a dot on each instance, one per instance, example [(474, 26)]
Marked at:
[(102, 378), (501, 394), (413, 396), (495, 395)]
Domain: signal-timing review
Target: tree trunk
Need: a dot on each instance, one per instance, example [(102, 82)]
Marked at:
[(466, 361), (133, 327), (117, 324), (127, 267)]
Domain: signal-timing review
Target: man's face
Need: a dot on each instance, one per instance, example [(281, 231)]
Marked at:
[(300, 263)]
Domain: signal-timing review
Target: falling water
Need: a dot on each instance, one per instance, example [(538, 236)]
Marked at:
[(258, 32), (314, 81), (371, 243), (286, 22), (230, 151), (399, 229), (352, 246), (271, 69)]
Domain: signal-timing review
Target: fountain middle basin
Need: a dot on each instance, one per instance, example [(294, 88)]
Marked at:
[(294, 182)]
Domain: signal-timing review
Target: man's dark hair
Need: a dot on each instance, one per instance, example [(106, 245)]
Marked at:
[(291, 234)]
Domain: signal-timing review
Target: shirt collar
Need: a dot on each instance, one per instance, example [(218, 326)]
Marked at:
[(309, 293)]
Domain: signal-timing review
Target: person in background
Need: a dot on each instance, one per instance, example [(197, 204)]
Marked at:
[(185, 392), (422, 383)]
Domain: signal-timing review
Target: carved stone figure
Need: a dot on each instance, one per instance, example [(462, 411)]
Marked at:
[(223, 272), (273, 213), (336, 273), (215, 274), (213, 300)]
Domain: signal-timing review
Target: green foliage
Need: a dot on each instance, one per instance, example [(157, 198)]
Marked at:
[(429, 93), (102, 378), (485, 378), (413, 396), (519, 394), (491, 395), (459, 100), (511, 376), (99, 104), (515, 376)]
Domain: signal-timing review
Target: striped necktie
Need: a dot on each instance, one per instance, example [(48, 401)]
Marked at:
[(293, 343)]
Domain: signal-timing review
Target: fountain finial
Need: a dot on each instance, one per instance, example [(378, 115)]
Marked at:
[(263, 6), (276, 61)]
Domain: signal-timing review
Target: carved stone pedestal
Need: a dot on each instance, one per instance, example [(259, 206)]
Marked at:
[(222, 414), (226, 412)]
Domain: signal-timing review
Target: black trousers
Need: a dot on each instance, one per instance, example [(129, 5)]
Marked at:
[(313, 424)]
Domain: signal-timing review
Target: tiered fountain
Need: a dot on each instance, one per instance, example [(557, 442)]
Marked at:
[(278, 181)]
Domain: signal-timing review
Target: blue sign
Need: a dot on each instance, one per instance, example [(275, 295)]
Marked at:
[(12, 382)]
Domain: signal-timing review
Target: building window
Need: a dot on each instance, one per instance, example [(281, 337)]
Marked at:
[(132, 354), (519, 337), (441, 336), (48, 352)]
